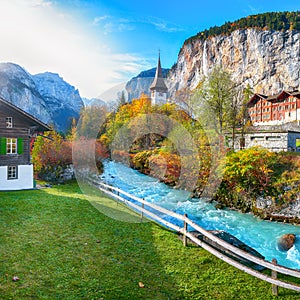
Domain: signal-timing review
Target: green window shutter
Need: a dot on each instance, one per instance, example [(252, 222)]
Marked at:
[(2, 145), (20, 146)]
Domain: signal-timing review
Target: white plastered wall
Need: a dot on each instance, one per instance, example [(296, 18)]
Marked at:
[(24, 180)]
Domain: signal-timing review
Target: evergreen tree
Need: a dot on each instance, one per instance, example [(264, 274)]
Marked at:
[(271, 21)]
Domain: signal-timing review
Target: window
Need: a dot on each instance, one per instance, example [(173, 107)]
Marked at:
[(273, 138), (257, 138), (242, 143), (12, 172), (11, 146), (9, 123)]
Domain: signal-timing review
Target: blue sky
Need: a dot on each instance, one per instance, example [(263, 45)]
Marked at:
[(97, 44)]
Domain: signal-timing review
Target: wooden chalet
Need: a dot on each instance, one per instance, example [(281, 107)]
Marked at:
[(17, 128), (274, 110)]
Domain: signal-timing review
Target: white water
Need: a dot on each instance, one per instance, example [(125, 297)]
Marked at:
[(258, 234)]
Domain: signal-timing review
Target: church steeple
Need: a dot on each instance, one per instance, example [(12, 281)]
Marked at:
[(158, 87)]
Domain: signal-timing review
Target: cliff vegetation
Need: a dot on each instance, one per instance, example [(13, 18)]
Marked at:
[(278, 21)]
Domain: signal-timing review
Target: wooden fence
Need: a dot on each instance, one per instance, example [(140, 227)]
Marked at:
[(150, 211)]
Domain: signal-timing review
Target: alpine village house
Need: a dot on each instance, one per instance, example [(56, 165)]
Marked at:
[(275, 120), (17, 128)]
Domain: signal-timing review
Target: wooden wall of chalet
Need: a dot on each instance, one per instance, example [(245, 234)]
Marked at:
[(20, 129)]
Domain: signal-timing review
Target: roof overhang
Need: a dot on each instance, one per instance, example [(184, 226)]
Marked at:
[(32, 121)]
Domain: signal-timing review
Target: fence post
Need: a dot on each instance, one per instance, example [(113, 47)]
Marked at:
[(184, 230), (274, 276), (142, 213)]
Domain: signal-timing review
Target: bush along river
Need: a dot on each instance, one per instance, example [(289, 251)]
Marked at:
[(259, 234)]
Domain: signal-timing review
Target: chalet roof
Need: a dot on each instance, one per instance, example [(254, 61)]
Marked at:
[(32, 121), (158, 83), (282, 95), (256, 97), (296, 93)]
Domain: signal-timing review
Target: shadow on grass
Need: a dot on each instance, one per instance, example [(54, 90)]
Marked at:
[(60, 247)]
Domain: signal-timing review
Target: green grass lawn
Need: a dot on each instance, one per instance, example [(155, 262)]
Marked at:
[(62, 247)]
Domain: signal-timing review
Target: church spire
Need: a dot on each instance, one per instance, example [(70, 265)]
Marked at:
[(158, 69), (158, 87), (158, 82)]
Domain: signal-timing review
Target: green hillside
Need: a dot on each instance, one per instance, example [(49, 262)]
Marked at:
[(279, 21)]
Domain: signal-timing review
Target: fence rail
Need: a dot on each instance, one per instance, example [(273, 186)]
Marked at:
[(121, 195)]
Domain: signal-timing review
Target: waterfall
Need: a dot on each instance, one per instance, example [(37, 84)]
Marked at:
[(204, 59)]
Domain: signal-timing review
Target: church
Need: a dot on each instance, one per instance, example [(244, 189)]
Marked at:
[(158, 88)]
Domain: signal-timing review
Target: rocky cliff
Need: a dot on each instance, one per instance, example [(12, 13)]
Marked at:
[(267, 60), (45, 96), (62, 99), (18, 87)]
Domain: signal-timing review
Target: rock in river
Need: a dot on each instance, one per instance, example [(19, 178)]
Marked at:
[(286, 241)]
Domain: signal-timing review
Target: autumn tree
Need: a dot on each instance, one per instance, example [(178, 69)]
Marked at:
[(183, 98), (212, 101), (88, 155), (91, 119), (51, 154), (243, 115), (215, 98), (121, 98)]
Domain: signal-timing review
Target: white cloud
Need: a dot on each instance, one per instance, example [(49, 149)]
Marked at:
[(163, 25), (41, 3), (39, 37), (99, 19), (111, 24)]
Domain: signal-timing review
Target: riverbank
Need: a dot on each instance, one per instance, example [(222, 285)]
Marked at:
[(257, 233), (57, 245), (254, 180), (289, 214)]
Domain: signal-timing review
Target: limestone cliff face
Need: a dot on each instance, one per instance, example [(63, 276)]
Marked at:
[(268, 61)]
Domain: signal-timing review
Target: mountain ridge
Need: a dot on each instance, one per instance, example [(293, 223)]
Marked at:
[(46, 96)]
